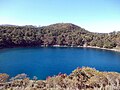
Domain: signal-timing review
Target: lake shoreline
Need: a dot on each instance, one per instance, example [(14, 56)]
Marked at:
[(92, 47), (114, 49)]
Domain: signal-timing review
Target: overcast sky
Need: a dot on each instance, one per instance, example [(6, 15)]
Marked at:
[(93, 15)]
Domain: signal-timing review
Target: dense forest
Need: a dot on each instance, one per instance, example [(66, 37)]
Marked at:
[(56, 34)]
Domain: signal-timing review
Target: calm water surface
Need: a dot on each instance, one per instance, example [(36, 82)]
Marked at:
[(43, 62)]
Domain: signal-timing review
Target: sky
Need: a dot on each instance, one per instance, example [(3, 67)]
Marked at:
[(93, 15)]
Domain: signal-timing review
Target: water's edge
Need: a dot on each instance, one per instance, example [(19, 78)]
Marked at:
[(92, 47)]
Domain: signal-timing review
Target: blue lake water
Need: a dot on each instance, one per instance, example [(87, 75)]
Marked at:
[(43, 62)]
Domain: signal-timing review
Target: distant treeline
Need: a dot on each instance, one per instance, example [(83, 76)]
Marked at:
[(56, 34)]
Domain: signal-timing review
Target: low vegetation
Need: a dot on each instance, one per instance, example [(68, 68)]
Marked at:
[(80, 79), (56, 34)]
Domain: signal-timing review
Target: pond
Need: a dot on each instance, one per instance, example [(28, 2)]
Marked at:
[(48, 61)]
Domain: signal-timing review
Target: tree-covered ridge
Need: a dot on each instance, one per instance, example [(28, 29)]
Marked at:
[(56, 34)]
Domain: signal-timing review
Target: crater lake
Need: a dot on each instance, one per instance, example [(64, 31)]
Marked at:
[(48, 61)]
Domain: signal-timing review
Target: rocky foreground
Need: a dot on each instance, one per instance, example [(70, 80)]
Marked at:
[(80, 79)]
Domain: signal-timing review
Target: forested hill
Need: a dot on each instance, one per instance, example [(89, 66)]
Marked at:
[(56, 34)]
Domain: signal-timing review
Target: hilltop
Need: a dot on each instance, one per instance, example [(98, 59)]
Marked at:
[(62, 34), (63, 26)]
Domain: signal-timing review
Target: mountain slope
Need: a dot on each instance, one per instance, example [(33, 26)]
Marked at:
[(56, 34)]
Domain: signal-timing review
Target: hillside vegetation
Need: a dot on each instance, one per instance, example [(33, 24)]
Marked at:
[(80, 79), (56, 34)]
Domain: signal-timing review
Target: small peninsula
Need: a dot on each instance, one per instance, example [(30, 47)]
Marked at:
[(59, 34)]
